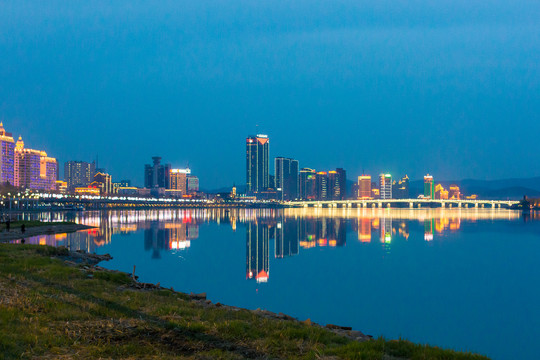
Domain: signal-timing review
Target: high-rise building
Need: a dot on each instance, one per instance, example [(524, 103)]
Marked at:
[(322, 185), (364, 187), (33, 169), (440, 192), (400, 189), (157, 175), (429, 187), (179, 180), (257, 164), (79, 173), (286, 178), (307, 184), (337, 184), (342, 183), (192, 184), (7, 156), (385, 186)]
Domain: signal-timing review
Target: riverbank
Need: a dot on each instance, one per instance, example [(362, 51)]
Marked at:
[(37, 228), (55, 303)]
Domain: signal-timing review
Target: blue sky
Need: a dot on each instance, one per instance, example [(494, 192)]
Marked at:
[(446, 87)]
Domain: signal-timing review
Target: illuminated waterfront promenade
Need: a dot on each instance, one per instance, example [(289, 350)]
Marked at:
[(26, 201)]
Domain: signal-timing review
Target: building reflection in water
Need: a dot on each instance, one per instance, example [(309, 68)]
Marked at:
[(288, 230)]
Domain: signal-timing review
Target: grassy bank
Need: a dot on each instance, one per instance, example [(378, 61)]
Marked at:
[(31, 224), (51, 307)]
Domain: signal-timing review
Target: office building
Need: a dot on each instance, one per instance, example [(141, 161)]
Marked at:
[(364, 187), (385, 186), (192, 184), (103, 182), (307, 184), (322, 185), (7, 157), (157, 175), (429, 187), (33, 169), (400, 189), (286, 178), (337, 184), (179, 180), (440, 192), (79, 173), (257, 164)]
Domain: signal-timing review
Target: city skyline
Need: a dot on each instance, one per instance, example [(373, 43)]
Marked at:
[(321, 84)]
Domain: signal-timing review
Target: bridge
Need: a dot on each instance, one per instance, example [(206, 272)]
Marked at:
[(405, 203)]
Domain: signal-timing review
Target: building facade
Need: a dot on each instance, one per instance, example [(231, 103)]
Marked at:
[(286, 178), (307, 184), (7, 157), (322, 185), (157, 175), (79, 173), (33, 169), (400, 189), (364, 187), (179, 180), (257, 164), (429, 187), (385, 186)]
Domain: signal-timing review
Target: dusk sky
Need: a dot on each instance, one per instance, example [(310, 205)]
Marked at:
[(407, 87)]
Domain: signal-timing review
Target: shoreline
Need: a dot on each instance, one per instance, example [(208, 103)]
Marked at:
[(45, 229), (61, 303)]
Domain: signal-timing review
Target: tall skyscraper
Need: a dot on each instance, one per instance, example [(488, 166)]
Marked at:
[(157, 175), (286, 178), (7, 156), (400, 189), (322, 185), (429, 187), (79, 173), (179, 179), (192, 184), (385, 186), (342, 183), (257, 163), (307, 186), (364, 187)]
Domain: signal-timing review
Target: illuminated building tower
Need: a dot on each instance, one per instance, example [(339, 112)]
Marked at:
[(257, 252), (33, 169), (79, 173), (364, 187), (454, 193), (257, 164), (429, 187), (400, 189), (103, 182), (385, 186), (192, 184), (322, 185), (7, 157), (286, 178), (157, 175), (307, 184), (337, 184), (342, 183), (179, 179), (441, 193)]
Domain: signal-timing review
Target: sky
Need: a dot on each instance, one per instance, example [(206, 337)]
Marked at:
[(406, 87)]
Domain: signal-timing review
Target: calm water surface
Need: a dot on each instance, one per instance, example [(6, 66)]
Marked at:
[(463, 279)]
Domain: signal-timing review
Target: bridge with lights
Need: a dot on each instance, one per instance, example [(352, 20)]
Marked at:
[(404, 203)]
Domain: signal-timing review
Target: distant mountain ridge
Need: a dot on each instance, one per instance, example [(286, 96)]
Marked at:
[(512, 188)]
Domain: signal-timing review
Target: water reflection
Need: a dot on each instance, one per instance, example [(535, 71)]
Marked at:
[(288, 230)]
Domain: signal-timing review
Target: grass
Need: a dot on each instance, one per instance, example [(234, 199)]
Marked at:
[(51, 309), (33, 223)]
